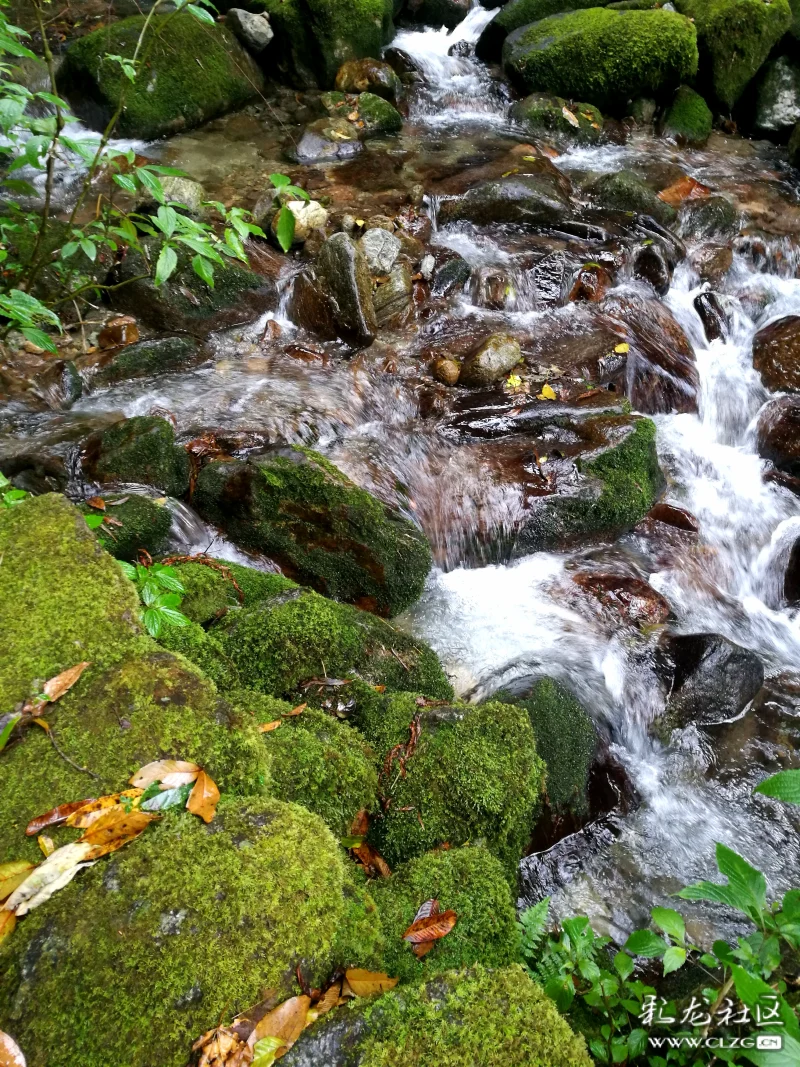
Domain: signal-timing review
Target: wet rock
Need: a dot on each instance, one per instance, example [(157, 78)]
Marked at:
[(794, 146), (712, 262), (137, 522), (626, 191), (776, 354), (309, 215), (778, 434), (392, 298), (462, 50), (710, 216), (380, 249), (311, 308), (327, 140), (301, 511), (552, 118), (634, 600), (156, 356), (688, 120), (714, 680), (650, 265), (140, 450), (591, 283), (446, 371), (493, 360), (174, 95), (451, 277), (671, 515), (121, 330), (253, 30), (370, 75), (712, 314), (791, 578), (604, 56), (368, 114), (427, 267), (493, 288), (777, 107), (342, 271), (438, 12), (536, 200), (401, 62)]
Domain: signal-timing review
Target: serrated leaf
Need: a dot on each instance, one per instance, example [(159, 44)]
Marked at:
[(785, 785), (646, 943), (674, 959), (284, 231), (671, 922), (166, 264)]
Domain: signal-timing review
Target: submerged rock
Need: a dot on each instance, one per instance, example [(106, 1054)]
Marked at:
[(296, 507), (776, 354), (392, 298), (688, 120), (368, 114), (712, 314), (631, 599), (713, 681), (493, 360), (140, 449), (327, 140), (451, 277), (710, 216), (529, 199), (626, 191), (140, 360)]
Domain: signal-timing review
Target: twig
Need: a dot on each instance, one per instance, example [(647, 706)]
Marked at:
[(64, 756)]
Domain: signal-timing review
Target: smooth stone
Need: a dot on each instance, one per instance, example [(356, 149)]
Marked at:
[(776, 354), (253, 31), (380, 248), (714, 680), (343, 272), (778, 434), (493, 360)]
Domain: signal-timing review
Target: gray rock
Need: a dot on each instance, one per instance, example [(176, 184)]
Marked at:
[(714, 680), (427, 266), (342, 271), (326, 141), (187, 192), (533, 199), (380, 249), (493, 360), (451, 277), (393, 298), (778, 96), (254, 31), (712, 216)]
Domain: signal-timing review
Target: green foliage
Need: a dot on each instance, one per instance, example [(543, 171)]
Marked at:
[(160, 592), (9, 496), (284, 230), (785, 785), (688, 118)]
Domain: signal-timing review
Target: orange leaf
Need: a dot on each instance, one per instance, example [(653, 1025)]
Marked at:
[(115, 829), (370, 857), (56, 816), (13, 874), (204, 798), (422, 949), (96, 502), (58, 686), (360, 823), (157, 771), (10, 1052), (295, 711), (92, 810), (8, 920), (365, 983), (46, 844), (430, 929), (267, 727), (685, 188), (328, 1000), (285, 1022)]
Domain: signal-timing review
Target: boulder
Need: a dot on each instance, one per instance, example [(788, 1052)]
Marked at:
[(794, 146), (344, 276), (212, 590), (535, 199), (438, 12), (776, 354), (327, 140), (552, 118), (709, 216), (631, 600), (251, 29), (451, 277), (688, 119), (370, 75), (145, 358), (173, 93), (712, 262), (134, 522), (392, 298), (369, 115), (626, 191), (777, 103), (309, 215), (713, 681), (297, 508), (493, 360), (734, 38), (518, 13), (186, 925), (604, 56), (650, 264), (141, 450), (712, 314), (380, 249), (778, 434)]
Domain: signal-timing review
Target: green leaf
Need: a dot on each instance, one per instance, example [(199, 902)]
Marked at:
[(5, 733), (352, 842), (167, 579), (285, 229), (167, 262), (674, 959), (126, 182), (174, 617), (128, 570), (280, 180), (671, 922), (746, 889), (38, 338), (166, 220), (93, 521), (598, 1050), (151, 183), (201, 14), (89, 249), (69, 249), (203, 269), (170, 172), (264, 1051), (562, 991), (165, 799), (153, 621), (295, 190), (646, 943), (637, 1042), (785, 785), (233, 241), (624, 965)]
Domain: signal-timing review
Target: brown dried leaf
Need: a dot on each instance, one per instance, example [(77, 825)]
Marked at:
[(372, 860), (222, 1047), (295, 711), (13, 874), (92, 810), (360, 824), (422, 949), (568, 115), (268, 727), (431, 929), (46, 844), (156, 771), (430, 907), (329, 999), (96, 502), (286, 1022), (366, 983), (685, 188), (178, 778), (204, 798), (56, 816), (58, 686), (10, 1052), (8, 920), (114, 829)]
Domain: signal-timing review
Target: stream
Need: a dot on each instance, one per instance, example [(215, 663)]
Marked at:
[(497, 621)]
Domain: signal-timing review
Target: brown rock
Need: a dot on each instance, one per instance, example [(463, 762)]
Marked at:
[(673, 516), (118, 331), (446, 371), (778, 434), (591, 284), (712, 262), (776, 354), (631, 598)]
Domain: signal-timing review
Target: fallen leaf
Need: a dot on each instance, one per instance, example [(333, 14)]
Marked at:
[(168, 798), (685, 188), (7, 728), (92, 810), (114, 829), (360, 823), (222, 1047), (43, 723), (295, 711), (178, 778), (10, 1052), (268, 727), (204, 797), (265, 1051), (12, 875), (46, 844), (366, 983), (547, 393), (56, 816), (565, 111), (431, 928), (622, 347), (56, 687), (8, 920), (286, 1022), (430, 907), (422, 949), (329, 999), (96, 502), (50, 876), (596, 126), (156, 771), (372, 859)]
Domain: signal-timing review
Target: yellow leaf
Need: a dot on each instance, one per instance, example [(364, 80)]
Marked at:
[(46, 844), (565, 111), (547, 393), (159, 769), (513, 381), (50, 876), (114, 829), (8, 920), (267, 727), (94, 809), (10, 1052), (622, 348), (365, 983), (13, 874), (44, 725), (286, 1022), (204, 797)]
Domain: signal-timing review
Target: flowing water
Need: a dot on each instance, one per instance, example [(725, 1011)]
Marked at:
[(498, 624)]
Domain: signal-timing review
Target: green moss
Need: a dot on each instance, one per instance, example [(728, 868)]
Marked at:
[(631, 477), (689, 119), (189, 73), (478, 1016), (566, 740), (735, 38), (711, 216), (210, 594), (543, 116), (626, 191), (379, 116), (472, 883), (148, 357), (474, 776), (518, 13), (204, 651), (296, 507), (383, 717), (295, 637), (323, 764), (184, 927), (141, 449), (604, 56), (145, 525)]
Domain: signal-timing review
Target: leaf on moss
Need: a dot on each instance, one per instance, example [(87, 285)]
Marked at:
[(96, 502), (295, 711), (431, 928), (367, 983), (56, 816), (12, 875), (56, 687), (93, 810), (285, 1022), (204, 798), (329, 1000), (221, 1047), (360, 824), (10, 1052), (53, 874), (46, 844), (372, 861), (159, 769), (268, 727), (568, 115), (114, 829), (8, 920)]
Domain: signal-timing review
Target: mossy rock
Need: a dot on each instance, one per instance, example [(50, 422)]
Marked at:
[(474, 776), (146, 358), (688, 119), (209, 592), (518, 13), (626, 191), (190, 72), (145, 525), (566, 739), (469, 881), (710, 216), (323, 764), (735, 38), (141, 449), (297, 636), (608, 57), (382, 717), (544, 116), (185, 926), (204, 651), (495, 1018), (300, 510), (380, 118)]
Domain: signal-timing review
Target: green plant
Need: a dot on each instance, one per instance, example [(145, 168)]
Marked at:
[(284, 230), (161, 592), (8, 495)]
